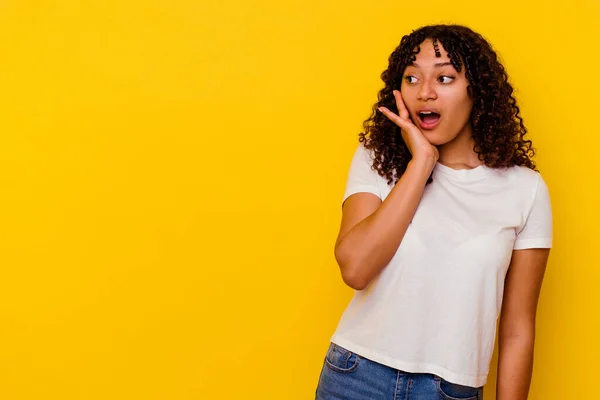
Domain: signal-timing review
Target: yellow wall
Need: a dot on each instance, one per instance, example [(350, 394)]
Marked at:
[(171, 179)]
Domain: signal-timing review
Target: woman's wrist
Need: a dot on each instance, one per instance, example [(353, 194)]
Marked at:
[(425, 163)]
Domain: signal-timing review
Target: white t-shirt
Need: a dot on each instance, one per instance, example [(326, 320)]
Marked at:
[(434, 307)]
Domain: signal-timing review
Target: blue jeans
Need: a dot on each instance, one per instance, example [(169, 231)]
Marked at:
[(348, 376)]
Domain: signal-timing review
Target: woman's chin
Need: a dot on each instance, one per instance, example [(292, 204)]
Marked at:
[(436, 139)]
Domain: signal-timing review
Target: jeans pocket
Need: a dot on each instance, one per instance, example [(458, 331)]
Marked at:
[(454, 391), (341, 360)]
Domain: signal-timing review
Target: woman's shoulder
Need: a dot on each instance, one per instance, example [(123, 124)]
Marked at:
[(519, 175), (523, 172), (365, 151)]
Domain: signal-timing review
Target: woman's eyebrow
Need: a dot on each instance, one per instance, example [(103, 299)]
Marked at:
[(437, 65)]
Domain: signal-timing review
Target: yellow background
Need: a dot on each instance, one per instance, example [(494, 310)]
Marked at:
[(171, 180)]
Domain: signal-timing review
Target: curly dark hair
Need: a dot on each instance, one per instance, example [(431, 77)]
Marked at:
[(498, 129)]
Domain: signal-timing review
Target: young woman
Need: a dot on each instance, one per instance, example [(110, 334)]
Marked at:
[(446, 226)]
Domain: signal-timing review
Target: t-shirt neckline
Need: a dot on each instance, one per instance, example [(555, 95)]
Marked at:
[(470, 174)]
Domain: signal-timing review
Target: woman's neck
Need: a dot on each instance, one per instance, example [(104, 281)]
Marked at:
[(459, 153)]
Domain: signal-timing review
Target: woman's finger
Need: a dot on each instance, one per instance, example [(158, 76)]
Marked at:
[(405, 126), (402, 123), (402, 110)]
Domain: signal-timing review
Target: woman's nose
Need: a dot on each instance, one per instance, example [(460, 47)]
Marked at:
[(426, 91)]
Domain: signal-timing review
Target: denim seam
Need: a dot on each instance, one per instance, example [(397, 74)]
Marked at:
[(397, 380), (343, 370)]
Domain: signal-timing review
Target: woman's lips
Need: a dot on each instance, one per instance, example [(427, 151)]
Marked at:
[(429, 125)]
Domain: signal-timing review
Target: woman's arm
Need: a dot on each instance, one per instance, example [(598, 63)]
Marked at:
[(371, 230), (517, 323)]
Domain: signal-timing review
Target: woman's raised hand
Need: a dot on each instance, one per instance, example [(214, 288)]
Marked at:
[(418, 145)]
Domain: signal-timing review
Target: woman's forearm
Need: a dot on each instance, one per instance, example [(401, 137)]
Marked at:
[(515, 367), (369, 246)]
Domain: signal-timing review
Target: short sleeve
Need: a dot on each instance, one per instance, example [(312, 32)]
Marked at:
[(537, 230), (361, 177)]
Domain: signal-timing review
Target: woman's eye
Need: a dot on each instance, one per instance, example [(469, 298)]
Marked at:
[(446, 79), (408, 79)]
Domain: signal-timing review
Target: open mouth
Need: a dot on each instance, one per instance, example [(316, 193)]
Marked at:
[(428, 119)]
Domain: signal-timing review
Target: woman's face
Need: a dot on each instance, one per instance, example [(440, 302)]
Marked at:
[(436, 97)]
